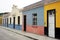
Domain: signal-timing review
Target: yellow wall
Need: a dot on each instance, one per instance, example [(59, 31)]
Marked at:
[(56, 6), (0, 20)]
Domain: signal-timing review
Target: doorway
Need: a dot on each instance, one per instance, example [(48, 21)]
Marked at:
[(7, 22), (51, 23), (24, 22), (14, 22)]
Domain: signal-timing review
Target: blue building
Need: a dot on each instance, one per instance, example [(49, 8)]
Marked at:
[(33, 18)]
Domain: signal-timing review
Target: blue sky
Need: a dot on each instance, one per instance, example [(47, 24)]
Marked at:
[(6, 5)]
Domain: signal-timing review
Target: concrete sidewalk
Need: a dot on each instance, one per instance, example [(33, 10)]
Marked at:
[(29, 35)]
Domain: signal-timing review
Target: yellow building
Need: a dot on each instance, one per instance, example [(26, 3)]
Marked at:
[(0, 20), (52, 18)]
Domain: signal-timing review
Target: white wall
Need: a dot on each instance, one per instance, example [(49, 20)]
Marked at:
[(15, 13)]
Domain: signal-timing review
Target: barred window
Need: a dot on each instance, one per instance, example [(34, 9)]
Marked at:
[(35, 19)]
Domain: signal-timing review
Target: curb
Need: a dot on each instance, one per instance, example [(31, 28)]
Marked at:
[(18, 33)]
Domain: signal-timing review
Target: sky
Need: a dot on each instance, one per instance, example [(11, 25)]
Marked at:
[(6, 5)]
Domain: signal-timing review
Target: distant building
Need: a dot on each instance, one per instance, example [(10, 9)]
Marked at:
[(5, 19), (15, 18), (1, 18)]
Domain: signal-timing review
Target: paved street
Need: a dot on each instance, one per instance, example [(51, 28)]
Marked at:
[(7, 35), (12, 34)]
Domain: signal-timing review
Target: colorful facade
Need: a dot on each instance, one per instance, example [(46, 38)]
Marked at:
[(5, 19), (40, 18), (1, 18), (51, 19), (14, 18), (33, 18)]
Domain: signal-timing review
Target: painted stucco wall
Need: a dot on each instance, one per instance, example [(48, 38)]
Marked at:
[(39, 28), (4, 20), (0, 20), (56, 6), (15, 13), (40, 16)]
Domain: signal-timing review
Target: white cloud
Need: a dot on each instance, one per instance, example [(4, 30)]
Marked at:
[(6, 5)]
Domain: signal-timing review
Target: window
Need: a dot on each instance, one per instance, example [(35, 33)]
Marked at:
[(34, 19), (10, 20), (18, 20)]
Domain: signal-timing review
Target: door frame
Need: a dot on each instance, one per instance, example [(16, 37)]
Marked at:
[(48, 19), (24, 22)]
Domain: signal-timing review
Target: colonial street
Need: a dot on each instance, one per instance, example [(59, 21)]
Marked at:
[(7, 35), (12, 34)]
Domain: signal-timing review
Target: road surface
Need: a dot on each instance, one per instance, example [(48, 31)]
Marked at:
[(8, 35)]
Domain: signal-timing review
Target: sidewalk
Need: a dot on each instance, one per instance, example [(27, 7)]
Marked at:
[(29, 35)]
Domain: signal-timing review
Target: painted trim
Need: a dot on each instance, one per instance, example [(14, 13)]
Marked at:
[(17, 27), (57, 31), (10, 26), (46, 31)]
